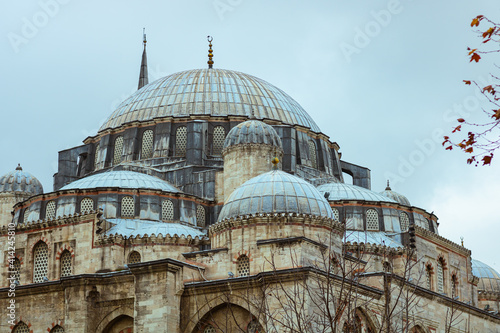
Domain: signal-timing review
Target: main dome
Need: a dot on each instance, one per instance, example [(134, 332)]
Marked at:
[(216, 92)]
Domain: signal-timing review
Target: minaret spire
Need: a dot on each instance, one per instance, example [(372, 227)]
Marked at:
[(210, 61), (143, 76)]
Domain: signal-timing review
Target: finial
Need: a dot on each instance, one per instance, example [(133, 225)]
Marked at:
[(462, 239), (144, 37), (19, 167), (275, 162), (388, 188), (210, 62)]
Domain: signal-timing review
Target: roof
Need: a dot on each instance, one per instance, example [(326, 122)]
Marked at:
[(395, 196), (371, 237), (216, 92), (252, 132), (134, 227), (342, 191), (20, 181), (121, 179), (489, 279), (275, 192)]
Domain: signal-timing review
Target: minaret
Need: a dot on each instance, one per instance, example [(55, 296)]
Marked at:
[(143, 76)]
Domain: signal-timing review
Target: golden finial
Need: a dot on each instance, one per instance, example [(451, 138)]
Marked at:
[(210, 62), (275, 162), (144, 36), (462, 239)]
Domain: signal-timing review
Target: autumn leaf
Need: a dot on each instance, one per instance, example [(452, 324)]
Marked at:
[(469, 150), (475, 22), (475, 57), (460, 120), (467, 82), (496, 115), (488, 32), (489, 89), (487, 159), (457, 129), (472, 51), (449, 148)]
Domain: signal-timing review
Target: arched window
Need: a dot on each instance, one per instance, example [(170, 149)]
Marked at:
[(147, 144), (167, 210), (96, 156), (118, 152), (26, 214), (428, 277), (218, 140), (372, 220), (200, 216), (57, 329), (15, 269), (66, 263), (180, 141), (336, 214), (86, 205), (243, 265), (209, 329), (387, 267), (50, 210), (440, 276), (454, 285), (128, 207), (40, 262), (134, 257), (312, 154), (404, 221), (21, 328)]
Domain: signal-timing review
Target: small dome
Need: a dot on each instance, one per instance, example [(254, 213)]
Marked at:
[(275, 192), (395, 196), (252, 132), (342, 191), (134, 227), (20, 181), (121, 179), (489, 279)]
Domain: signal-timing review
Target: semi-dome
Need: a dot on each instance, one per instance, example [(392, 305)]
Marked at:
[(20, 181), (395, 196), (121, 179), (135, 227), (252, 132), (275, 192), (489, 279), (342, 191), (216, 92)]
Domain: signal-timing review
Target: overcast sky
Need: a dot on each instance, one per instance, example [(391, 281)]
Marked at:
[(383, 79)]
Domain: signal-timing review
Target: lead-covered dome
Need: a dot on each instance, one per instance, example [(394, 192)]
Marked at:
[(275, 192), (121, 179), (20, 181), (252, 132), (395, 196), (489, 279), (216, 92), (342, 191)]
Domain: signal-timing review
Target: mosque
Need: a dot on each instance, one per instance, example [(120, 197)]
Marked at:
[(210, 201)]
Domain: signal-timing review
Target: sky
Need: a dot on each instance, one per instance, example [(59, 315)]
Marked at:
[(383, 79)]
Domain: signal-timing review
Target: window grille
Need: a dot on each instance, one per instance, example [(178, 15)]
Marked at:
[(118, 153), (209, 329), (243, 266), (134, 257), (147, 144), (218, 140), (404, 221), (336, 214), (372, 220), (440, 276), (50, 210), (40, 262), (21, 328), (167, 210), (200, 216), (180, 141), (312, 154), (453, 286), (86, 205), (128, 207), (16, 270), (26, 214), (96, 156), (57, 329), (66, 269)]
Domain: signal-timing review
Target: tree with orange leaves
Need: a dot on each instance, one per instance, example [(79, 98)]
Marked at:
[(483, 138)]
